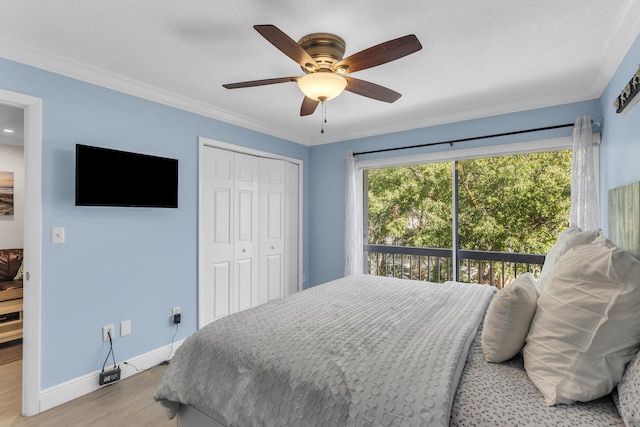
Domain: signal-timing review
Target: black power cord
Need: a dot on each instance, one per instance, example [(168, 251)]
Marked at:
[(133, 366), (166, 361), (110, 353)]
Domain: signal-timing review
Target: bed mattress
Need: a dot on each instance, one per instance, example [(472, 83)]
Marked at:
[(364, 350)]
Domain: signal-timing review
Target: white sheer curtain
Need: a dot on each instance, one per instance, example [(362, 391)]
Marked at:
[(353, 251), (584, 189)]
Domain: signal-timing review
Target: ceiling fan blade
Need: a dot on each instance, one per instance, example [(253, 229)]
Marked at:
[(371, 90), (380, 54), (287, 45), (308, 106), (260, 82)]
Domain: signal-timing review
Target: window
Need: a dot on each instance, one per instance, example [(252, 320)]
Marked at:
[(483, 219)]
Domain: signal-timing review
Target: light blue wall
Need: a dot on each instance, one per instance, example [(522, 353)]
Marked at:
[(620, 149), (326, 214), (118, 263)]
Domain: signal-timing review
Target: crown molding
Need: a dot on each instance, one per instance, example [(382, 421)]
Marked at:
[(43, 60), (524, 104)]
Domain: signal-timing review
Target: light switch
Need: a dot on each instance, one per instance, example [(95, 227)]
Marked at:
[(57, 235)]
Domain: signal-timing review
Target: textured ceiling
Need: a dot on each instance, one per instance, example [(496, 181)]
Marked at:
[(478, 58)]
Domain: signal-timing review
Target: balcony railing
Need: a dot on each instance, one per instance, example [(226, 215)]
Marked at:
[(436, 264)]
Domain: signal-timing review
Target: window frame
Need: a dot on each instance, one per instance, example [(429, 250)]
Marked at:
[(455, 155)]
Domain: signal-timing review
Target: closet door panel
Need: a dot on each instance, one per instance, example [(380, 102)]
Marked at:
[(273, 285), (271, 229), (246, 277), (221, 285), (244, 216), (246, 243), (221, 216), (218, 254), (274, 216)]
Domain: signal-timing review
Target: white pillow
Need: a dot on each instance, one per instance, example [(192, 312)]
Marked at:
[(587, 325), (572, 236), (508, 318), (558, 248)]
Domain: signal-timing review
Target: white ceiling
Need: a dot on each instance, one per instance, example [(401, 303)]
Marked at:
[(479, 58)]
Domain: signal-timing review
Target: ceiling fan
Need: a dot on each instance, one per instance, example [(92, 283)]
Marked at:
[(320, 56)]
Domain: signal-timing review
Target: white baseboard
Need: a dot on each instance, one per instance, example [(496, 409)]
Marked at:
[(77, 387)]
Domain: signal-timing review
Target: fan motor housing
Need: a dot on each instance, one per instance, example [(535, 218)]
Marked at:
[(326, 49)]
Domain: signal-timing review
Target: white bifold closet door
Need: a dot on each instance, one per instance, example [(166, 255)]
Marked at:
[(271, 225), (250, 230)]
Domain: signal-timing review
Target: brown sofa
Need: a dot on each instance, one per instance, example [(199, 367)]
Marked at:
[(10, 261), (10, 295)]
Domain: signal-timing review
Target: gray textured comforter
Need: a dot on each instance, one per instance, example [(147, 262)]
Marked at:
[(363, 350)]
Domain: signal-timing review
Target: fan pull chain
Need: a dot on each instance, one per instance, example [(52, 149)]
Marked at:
[(324, 116)]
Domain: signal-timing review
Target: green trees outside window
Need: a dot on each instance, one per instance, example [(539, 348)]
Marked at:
[(513, 203)]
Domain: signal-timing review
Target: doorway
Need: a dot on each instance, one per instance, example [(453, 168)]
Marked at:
[(32, 108)]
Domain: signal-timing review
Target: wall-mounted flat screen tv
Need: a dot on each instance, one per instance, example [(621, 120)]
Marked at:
[(106, 177)]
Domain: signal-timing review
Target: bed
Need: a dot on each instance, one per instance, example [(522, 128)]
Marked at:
[(368, 350)]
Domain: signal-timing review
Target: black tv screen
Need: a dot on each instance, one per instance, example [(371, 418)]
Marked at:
[(106, 177)]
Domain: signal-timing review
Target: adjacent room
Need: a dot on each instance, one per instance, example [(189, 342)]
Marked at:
[(348, 213)]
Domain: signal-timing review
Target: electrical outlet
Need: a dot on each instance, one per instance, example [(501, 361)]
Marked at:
[(175, 315), (108, 330)]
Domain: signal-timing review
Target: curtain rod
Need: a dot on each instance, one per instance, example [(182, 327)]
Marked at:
[(473, 138)]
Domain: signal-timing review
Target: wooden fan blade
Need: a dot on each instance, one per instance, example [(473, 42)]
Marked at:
[(260, 82), (380, 54), (287, 45), (308, 106), (371, 90)]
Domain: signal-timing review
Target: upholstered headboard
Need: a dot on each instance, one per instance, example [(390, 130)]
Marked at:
[(624, 217)]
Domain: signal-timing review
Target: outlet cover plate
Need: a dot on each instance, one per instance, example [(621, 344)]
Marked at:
[(108, 329), (57, 235), (125, 328)]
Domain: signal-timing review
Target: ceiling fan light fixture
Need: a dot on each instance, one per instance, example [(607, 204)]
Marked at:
[(322, 86)]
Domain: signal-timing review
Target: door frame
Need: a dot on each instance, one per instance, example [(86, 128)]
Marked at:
[(207, 142), (32, 107)]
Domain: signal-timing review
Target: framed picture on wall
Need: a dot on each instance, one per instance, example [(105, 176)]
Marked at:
[(6, 193)]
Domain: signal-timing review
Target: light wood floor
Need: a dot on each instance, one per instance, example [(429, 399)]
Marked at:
[(128, 402)]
